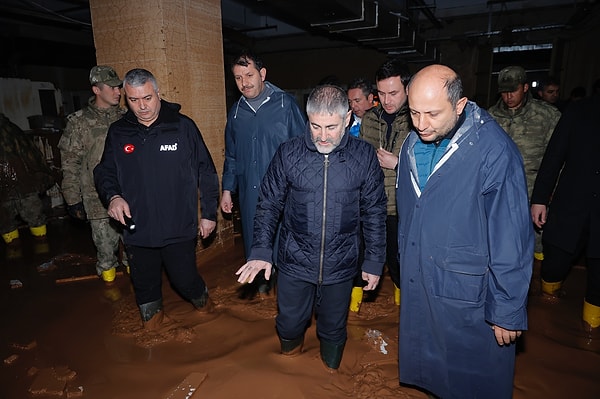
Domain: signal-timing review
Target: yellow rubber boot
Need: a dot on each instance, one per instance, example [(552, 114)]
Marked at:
[(538, 255), (396, 295), (551, 288), (38, 231), (591, 314), (108, 276), (356, 299), (10, 236)]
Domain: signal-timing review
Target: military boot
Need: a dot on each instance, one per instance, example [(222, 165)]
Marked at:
[(591, 317), (356, 298)]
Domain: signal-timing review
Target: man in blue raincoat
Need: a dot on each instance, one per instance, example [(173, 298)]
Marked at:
[(264, 117), (465, 244)]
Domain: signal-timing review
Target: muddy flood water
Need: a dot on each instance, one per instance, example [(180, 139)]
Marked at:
[(64, 334)]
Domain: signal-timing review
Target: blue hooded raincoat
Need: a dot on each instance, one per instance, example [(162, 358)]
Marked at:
[(466, 250), (251, 138)]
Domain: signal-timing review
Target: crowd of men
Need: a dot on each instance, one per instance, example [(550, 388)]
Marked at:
[(457, 201)]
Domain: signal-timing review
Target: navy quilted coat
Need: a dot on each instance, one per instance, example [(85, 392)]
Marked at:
[(323, 201)]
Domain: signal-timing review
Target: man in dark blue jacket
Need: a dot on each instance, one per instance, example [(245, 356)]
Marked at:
[(327, 188), (154, 162), (264, 117)]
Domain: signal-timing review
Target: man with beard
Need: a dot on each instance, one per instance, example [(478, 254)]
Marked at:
[(326, 187)]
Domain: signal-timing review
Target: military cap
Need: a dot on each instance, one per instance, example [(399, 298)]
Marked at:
[(510, 78), (104, 74)]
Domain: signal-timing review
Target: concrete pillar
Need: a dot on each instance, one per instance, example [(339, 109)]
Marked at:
[(181, 43)]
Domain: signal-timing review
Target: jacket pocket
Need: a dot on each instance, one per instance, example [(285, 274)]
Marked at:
[(460, 275)]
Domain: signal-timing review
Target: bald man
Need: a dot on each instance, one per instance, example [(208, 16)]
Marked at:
[(465, 244)]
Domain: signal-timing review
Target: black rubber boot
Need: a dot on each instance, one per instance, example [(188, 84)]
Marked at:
[(203, 304), (148, 310), (331, 354), (291, 347)]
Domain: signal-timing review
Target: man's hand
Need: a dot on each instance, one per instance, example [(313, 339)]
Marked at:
[(117, 207), (206, 227), (77, 211), (247, 272), (386, 159), (226, 202), (538, 214), (504, 336), (371, 279)]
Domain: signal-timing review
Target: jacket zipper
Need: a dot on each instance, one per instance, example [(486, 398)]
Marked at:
[(322, 254)]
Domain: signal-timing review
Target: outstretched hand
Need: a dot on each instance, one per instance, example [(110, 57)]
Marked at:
[(247, 272)]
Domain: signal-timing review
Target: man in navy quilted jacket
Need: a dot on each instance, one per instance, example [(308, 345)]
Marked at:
[(327, 189)]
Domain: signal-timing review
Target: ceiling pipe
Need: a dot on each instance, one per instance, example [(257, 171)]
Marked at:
[(374, 26), (498, 32), (378, 39), (345, 21)]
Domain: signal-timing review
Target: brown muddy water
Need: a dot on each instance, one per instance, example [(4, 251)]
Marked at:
[(64, 334)]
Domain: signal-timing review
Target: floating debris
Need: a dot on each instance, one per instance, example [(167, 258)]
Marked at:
[(46, 267), (25, 347), (11, 359), (14, 284), (376, 338)]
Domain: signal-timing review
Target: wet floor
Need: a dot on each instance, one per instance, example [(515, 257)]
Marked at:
[(65, 334)]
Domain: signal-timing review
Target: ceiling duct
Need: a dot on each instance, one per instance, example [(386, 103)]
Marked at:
[(423, 51), (364, 15), (370, 20), (385, 25)]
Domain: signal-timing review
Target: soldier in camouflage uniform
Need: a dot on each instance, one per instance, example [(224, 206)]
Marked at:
[(24, 174), (528, 121), (81, 148), (385, 127)]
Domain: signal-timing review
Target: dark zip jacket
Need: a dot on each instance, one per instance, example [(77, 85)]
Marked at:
[(158, 171), (328, 202)]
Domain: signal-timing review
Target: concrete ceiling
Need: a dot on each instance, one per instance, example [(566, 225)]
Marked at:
[(59, 32)]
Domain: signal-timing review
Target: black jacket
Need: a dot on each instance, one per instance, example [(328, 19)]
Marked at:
[(569, 178), (158, 170), (327, 202)]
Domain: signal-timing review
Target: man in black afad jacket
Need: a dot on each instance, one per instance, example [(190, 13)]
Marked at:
[(154, 161), (327, 187)]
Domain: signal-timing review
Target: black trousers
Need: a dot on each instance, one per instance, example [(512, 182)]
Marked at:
[(297, 300), (179, 261), (557, 264), (391, 248)]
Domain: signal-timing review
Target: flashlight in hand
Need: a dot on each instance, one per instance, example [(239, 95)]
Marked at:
[(129, 223)]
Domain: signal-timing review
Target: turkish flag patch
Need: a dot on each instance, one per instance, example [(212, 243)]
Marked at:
[(128, 148)]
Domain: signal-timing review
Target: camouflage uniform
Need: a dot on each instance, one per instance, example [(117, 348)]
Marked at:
[(81, 146), (24, 174), (530, 126)]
